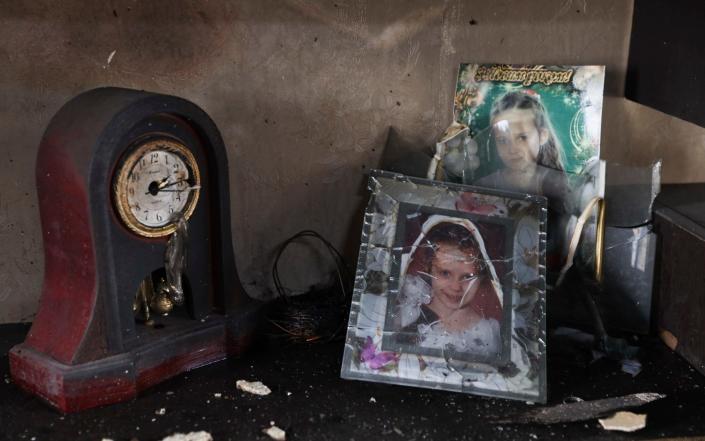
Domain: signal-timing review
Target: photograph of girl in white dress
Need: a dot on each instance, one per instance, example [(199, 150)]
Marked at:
[(450, 297)]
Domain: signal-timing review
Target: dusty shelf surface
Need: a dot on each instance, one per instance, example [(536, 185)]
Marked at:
[(310, 401)]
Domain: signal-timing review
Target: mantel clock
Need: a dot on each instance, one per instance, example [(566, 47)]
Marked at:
[(140, 281)]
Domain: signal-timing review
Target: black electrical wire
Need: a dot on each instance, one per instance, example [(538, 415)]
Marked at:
[(314, 316), (341, 267)]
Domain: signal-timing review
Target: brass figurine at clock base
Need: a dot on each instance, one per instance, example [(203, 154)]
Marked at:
[(169, 290), (121, 176)]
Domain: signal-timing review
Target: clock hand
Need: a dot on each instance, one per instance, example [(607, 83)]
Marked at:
[(156, 187), (171, 183), (195, 187), (163, 183)]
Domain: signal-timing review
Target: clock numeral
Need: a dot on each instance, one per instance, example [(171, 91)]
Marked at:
[(143, 162), (154, 158), (171, 210), (134, 177), (177, 196), (159, 217), (176, 166), (131, 191)]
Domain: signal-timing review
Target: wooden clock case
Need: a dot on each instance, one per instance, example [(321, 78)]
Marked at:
[(85, 347)]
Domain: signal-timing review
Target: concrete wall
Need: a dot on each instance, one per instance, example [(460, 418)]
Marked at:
[(303, 91), (640, 135)]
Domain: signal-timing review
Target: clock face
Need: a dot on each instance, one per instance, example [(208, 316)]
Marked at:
[(156, 180)]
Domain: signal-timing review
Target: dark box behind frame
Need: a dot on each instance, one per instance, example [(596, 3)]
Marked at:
[(679, 219)]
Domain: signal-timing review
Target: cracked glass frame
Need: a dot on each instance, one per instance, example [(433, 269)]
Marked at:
[(427, 245), (427, 235)]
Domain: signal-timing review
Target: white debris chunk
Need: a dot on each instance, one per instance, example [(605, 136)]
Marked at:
[(253, 387), (275, 433), (161, 411), (218, 395), (372, 400), (624, 422), (191, 436)]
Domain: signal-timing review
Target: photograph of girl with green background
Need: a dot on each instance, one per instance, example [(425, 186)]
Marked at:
[(535, 130)]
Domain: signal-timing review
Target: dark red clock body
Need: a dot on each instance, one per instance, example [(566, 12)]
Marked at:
[(85, 348)]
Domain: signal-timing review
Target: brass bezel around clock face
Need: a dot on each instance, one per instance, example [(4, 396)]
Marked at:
[(124, 173)]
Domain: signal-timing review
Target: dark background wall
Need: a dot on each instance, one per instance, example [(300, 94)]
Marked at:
[(303, 91), (666, 69)]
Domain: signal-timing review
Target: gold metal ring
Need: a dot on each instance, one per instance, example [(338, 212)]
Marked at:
[(600, 240)]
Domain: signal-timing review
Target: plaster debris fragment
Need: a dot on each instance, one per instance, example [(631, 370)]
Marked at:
[(624, 422), (275, 433), (253, 387), (669, 339), (372, 400), (217, 395), (161, 411), (191, 436), (110, 57)]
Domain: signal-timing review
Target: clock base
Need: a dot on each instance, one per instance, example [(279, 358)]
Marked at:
[(121, 377)]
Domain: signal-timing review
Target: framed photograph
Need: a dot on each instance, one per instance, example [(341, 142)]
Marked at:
[(530, 116), (532, 129), (450, 289), (450, 273)]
